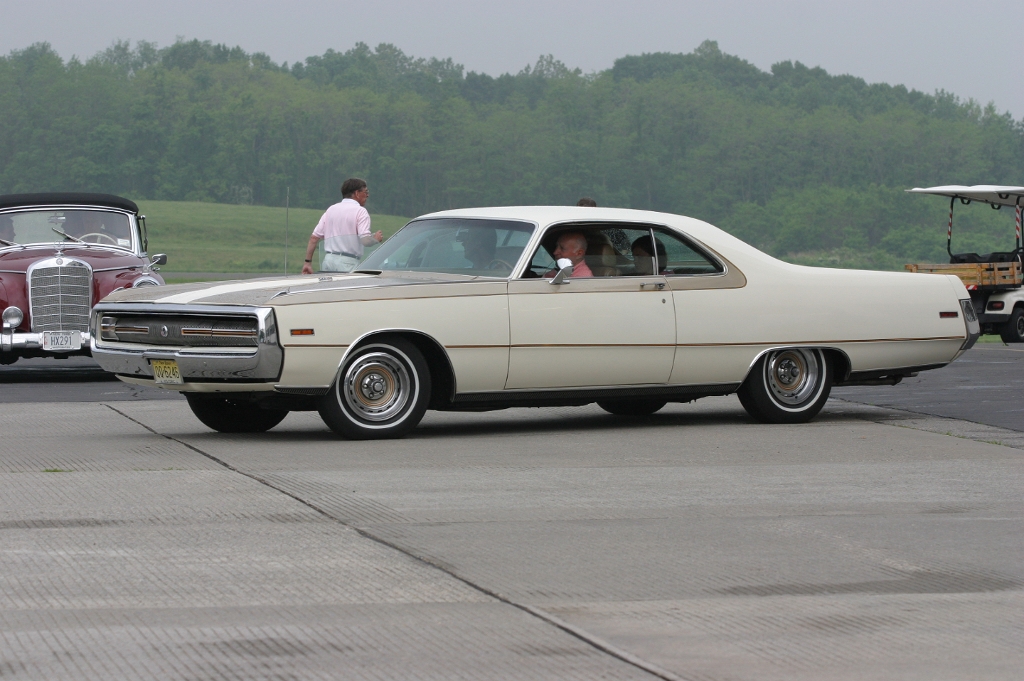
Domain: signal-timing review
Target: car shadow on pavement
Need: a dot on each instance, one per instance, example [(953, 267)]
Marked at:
[(71, 370), (520, 421)]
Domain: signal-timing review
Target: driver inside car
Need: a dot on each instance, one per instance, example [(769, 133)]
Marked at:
[(479, 246), (90, 226)]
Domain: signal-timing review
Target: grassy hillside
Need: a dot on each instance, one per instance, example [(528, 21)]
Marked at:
[(215, 237)]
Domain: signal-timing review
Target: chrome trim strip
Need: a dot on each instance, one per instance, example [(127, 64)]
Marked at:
[(224, 333)]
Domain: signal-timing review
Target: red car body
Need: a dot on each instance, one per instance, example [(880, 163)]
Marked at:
[(60, 254)]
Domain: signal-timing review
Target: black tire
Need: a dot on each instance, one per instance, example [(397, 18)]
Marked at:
[(381, 391), (637, 407), (233, 416), (1013, 330), (787, 386)]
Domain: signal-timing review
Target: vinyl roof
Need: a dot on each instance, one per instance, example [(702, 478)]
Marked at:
[(66, 199)]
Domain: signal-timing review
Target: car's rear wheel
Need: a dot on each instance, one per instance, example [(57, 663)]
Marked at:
[(787, 386), (233, 416), (1013, 330), (631, 407), (381, 391)]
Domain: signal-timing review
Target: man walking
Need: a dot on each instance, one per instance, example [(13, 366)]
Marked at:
[(345, 229)]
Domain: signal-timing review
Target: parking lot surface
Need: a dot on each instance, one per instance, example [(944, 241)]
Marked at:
[(874, 543)]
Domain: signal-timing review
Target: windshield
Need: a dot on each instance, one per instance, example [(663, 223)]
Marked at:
[(103, 227), (487, 248)]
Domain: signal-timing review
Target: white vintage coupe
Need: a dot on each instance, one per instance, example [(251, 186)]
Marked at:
[(473, 310)]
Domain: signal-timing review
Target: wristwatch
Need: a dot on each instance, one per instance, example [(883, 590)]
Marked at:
[(307, 261)]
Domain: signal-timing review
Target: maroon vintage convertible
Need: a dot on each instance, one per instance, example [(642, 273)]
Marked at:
[(59, 255)]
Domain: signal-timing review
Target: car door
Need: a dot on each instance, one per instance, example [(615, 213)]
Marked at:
[(616, 328), (709, 296)]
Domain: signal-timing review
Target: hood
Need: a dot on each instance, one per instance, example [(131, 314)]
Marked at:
[(280, 290)]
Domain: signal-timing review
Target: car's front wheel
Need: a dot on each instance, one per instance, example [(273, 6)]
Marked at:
[(233, 416), (382, 391), (1013, 330), (638, 407), (787, 386)]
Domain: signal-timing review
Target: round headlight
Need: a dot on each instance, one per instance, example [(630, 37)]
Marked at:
[(145, 281), (12, 317)]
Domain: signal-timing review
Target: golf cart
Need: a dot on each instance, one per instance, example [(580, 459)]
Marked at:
[(993, 279)]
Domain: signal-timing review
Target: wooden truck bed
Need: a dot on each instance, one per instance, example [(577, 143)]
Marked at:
[(985, 275)]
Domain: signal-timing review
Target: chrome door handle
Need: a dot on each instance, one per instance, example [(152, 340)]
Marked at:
[(658, 286)]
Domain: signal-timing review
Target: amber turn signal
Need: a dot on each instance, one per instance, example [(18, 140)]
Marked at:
[(302, 332)]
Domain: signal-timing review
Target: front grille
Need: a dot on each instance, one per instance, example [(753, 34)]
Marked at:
[(61, 297), (181, 330)]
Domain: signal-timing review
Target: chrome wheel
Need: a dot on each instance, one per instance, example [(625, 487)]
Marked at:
[(382, 391), (787, 386), (376, 386), (792, 375)]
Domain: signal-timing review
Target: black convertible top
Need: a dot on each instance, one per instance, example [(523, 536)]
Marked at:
[(66, 199)]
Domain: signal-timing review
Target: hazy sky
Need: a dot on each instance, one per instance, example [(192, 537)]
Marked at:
[(974, 49)]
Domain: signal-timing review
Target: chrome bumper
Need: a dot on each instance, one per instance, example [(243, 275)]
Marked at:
[(971, 324), (196, 364), (11, 340)]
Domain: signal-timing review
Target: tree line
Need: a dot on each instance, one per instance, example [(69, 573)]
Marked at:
[(794, 160)]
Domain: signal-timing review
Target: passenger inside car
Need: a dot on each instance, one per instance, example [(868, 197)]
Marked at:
[(573, 246), (644, 262)]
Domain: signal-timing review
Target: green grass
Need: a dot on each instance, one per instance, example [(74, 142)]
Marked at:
[(224, 238), (993, 338)]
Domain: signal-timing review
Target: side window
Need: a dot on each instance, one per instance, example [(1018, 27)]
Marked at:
[(676, 256), (608, 250), (541, 263)]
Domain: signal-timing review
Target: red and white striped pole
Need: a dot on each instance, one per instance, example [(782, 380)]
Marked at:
[(1018, 226)]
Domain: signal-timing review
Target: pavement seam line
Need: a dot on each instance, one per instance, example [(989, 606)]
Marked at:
[(1013, 434), (547, 618)]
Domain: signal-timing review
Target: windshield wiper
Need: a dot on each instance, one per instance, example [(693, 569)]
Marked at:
[(5, 242), (367, 271), (67, 236)]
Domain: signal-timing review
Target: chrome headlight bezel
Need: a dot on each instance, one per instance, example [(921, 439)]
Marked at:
[(13, 317)]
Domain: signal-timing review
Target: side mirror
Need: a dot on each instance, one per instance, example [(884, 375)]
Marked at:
[(565, 271), (159, 259)]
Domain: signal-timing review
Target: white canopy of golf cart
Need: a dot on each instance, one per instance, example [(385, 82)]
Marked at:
[(986, 193)]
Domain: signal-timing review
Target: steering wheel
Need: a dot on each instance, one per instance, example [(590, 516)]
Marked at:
[(99, 236), (498, 265)]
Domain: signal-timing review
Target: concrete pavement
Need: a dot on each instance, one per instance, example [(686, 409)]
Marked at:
[(534, 544)]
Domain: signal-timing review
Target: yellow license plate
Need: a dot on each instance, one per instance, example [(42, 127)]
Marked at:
[(166, 371)]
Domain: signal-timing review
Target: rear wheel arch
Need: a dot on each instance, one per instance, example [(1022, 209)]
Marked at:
[(841, 364), (840, 361)]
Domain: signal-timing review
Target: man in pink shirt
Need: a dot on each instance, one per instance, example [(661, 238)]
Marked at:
[(572, 245), (344, 229)]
